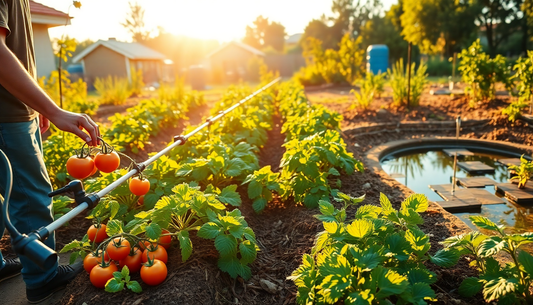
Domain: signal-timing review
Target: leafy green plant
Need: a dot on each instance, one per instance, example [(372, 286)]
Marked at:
[(524, 73), (122, 279), (112, 90), (261, 185), (370, 86), (398, 82), (514, 110), (61, 206), (376, 258), (524, 172), (481, 72), (510, 284)]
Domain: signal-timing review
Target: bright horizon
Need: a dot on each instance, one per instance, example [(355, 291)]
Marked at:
[(100, 19)]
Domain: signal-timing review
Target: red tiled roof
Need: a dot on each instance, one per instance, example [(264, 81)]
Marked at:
[(41, 9)]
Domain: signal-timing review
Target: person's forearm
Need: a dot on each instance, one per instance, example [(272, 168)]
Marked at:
[(16, 80)]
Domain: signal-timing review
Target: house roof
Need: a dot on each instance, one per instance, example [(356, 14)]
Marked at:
[(41, 9), (42, 14), (131, 50), (238, 44)]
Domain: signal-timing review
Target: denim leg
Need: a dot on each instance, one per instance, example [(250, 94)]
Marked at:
[(30, 207)]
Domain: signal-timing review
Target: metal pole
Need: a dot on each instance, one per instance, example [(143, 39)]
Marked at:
[(67, 217), (408, 74), (454, 180)]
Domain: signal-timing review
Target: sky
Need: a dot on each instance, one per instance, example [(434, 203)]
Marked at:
[(223, 20)]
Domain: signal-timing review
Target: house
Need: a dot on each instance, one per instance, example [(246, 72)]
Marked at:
[(116, 58), (293, 39), (43, 18), (230, 61)]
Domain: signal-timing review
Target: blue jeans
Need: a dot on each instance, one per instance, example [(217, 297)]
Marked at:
[(29, 207)]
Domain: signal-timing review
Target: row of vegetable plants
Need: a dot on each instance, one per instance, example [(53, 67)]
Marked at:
[(192, 190)]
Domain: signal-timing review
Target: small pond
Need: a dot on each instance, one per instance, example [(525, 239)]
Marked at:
[(419, 169)]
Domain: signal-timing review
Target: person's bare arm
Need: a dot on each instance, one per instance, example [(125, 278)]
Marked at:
[(15, 78)]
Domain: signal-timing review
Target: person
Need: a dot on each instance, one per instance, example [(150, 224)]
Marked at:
[(25, 113)]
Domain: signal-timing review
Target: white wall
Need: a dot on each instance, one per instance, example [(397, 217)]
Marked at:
[(44, 54)]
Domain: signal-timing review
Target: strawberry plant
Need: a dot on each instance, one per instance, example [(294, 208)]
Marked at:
[(509, 284), (261, 184), (376, 258)]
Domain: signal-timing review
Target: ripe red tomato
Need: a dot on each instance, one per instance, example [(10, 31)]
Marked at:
[(107, 163), (118, 249), (90, 261), (100, 275), (145, 244), (139, 187), (80, 168), (98, 233), (157, 253), (94, 171), (155, 274), (134, 262), (165, 240), (140, 201)]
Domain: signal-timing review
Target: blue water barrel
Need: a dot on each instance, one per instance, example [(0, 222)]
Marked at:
[(377, 58), (75, 68)]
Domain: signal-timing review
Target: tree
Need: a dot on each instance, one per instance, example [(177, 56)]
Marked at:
[(498, 19), (381, 30), (353, 15), (134, 23), (437, 26), (265, 34), (329, 35)]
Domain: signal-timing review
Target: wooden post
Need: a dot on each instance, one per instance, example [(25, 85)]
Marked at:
[(60, 78), (454, 65), (408, 74)]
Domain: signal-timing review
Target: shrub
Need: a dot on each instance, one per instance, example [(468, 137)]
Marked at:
[(137, 84), (481, 72), (331, 66), (439, 67), (74, 93), (112, 90), (398, 82), (514, 109), (524, 73)]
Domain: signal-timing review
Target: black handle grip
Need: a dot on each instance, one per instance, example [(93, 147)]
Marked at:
[(75, 186)]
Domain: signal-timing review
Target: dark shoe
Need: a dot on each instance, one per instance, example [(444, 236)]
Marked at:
[(65, 274), (11, 269)]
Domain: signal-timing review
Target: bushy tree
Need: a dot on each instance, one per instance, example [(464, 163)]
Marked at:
[(264, 34), (134, 23)]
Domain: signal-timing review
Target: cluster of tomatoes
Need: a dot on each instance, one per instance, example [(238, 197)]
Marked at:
[(105, 159), (149, 258)]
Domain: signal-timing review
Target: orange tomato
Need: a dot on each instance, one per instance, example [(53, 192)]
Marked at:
[(139, 187), (155, 253), (154, 274), (107, 163), (80, 168)]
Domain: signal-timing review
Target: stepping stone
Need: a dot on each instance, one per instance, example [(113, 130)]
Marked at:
[(476, 167), (511, 191), (481, 195), (461, 206), (461, 153), (475, 182), (511, 161)]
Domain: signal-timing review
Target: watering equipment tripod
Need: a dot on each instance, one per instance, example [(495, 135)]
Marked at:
[(32, 245)]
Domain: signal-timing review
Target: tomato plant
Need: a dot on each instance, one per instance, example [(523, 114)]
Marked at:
[(155, 252), (121, 279), (100, 274), (97, 233), (90, 261), (139, 186), (154, 272), (165, 240), (118, 248)]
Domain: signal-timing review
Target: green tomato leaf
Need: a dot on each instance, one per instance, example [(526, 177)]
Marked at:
[(134, 286), (153, 231), (209, 230), (114, 285), (470, 287)]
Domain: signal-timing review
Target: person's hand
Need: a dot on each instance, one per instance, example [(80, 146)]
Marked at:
[(44, 124), (71, 122)]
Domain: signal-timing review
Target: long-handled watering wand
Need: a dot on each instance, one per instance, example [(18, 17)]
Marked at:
[(32, 245)]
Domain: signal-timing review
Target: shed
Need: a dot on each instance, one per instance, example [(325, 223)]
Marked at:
[(43, 18), (232, 59), (116, 58)]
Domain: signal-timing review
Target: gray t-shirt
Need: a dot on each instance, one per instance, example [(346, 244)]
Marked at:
[(15, 17)]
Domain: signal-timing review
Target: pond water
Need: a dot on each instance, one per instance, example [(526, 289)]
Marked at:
[(418, 170)]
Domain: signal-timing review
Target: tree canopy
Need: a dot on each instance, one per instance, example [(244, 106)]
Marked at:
[(264, 33)]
